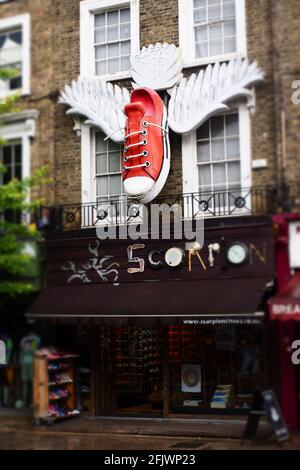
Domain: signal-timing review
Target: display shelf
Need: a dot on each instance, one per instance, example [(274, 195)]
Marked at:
[(48, 404)]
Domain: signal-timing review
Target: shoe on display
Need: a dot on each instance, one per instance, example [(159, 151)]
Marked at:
[(146, 157)]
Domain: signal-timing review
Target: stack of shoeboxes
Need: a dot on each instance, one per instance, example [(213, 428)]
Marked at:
[(222, 397)]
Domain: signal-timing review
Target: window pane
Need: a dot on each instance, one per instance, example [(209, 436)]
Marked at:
[(215, 31), (113, 146), (115, 184), (214, 12), (100, 68), (219, 174), (17, 154), (7, 151), (217, 150), (217, 126), (204, 175), (125, 16), (202, 50), (112, 17), (99, 35), (101, 164), (203, 131), (100, 20), (7, 175), (229, 28), (125, 48), (16, 37), (112, 33), (125, 31), (2, 39), (18, 172), (102, 186), (101, 145), (234, 172), (233, 148), (228, 9), (215, 48), (100, 52), (200, 15), (113, 50), (113, 65), (199, 3), (125, 63), (16, 83), (203, 152), (201, 33), (232, 124), (229, 45), (114, 162)]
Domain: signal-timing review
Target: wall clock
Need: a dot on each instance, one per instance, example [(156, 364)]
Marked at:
[(237, 253), (174, 257)]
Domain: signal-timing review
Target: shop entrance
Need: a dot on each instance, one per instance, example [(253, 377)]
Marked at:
[(138, 368), (131, 370)]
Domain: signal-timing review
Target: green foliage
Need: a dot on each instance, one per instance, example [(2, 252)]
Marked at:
[(14, 262), (14, 199)]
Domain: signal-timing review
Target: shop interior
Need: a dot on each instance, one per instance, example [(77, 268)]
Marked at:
[(154, 370)]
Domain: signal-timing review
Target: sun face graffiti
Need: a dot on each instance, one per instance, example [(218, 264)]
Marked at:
[(108, 273)]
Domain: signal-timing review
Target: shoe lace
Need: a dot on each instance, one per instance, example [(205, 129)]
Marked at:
[(113, 132), (141, 142)]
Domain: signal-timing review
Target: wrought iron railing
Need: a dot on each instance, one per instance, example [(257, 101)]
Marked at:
[(118, 211)]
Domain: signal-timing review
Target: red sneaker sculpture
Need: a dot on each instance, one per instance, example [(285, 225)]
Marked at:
[(146, 157)]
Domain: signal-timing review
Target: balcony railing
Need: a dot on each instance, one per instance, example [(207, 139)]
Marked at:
[(229, 203)]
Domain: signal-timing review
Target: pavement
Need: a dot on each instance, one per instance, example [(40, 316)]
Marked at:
[(17, 432)]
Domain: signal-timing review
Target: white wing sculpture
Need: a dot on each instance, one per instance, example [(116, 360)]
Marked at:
[(100, 102), (200, 96), (157, 67)]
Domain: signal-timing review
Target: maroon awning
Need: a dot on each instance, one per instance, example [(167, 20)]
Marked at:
[(177, 298), (286, 304)]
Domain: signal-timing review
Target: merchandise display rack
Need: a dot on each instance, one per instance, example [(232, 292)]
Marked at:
[(54, 395), (138, 360)]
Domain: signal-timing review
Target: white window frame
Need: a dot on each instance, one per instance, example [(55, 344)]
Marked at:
[(23, 22), (89, 178), (22, 131), (88, 8), (190, 183), (187, 37)]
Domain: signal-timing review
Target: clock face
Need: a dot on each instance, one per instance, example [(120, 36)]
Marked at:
[(174, 257), (237, 253)]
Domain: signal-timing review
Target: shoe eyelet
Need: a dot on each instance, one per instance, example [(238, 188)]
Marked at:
[(125, 159), (144, 132), (145, 124), (145, 153), (125, 149), (124, 168), (147, 164), (144, 142)]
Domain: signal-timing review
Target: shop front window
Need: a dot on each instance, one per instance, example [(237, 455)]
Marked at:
[(214, 368)]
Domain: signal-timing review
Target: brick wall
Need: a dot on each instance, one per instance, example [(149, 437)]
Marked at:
[(42, 149), (55, 62)]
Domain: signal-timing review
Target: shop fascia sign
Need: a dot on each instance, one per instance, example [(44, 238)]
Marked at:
[(140, 257), (289, 308), (188, 102)]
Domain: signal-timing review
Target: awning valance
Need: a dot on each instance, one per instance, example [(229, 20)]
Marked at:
[(286, 304), (164, 298)]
